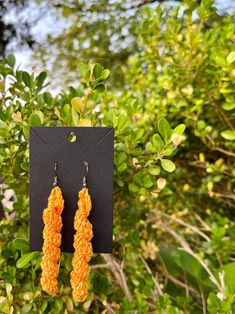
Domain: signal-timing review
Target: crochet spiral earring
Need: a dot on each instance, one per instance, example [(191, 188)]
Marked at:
[(82, 246), (52, 238)]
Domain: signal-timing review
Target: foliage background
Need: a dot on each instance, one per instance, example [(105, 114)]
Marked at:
[(174, 195)]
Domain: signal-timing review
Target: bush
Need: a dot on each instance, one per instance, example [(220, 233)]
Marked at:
[(173, 228)]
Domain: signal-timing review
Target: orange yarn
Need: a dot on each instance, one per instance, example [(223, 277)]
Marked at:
[(52, 240), (82, 246)]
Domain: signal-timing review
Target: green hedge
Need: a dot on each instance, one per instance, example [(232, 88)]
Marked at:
[(174, 234)]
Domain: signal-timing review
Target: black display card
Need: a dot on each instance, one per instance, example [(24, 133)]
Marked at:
[(94, 145)]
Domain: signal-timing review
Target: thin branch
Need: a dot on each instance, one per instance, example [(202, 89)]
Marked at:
[(153, 278), (184, 244), (185, 247), (217, 148), (107, 305), (226, 152), (205, 225), (203, 300), (193, 228), (118, 272), (181, 284), (223, 195), (100, 266), (223, 117)]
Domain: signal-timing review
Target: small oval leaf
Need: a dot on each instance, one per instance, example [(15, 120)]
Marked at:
[(154, 170), (21, 244), (228, 135), (25, 259), (164, 129), (34, 120), (167, 165)]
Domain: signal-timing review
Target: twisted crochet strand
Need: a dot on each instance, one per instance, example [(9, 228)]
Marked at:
[(82, 246), (52, 241)]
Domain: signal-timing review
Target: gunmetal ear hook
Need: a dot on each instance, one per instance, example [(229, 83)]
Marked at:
[(84, 178), (55, 170)]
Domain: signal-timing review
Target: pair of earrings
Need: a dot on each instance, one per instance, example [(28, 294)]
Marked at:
[(52, 240)]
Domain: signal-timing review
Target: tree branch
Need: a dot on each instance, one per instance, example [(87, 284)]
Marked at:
[(117, 270)]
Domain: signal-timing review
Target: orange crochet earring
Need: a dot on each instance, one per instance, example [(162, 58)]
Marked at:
[(52, 238), (82, 246)]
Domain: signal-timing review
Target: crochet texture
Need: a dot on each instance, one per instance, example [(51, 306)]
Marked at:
[(52, 241), (82, 246)]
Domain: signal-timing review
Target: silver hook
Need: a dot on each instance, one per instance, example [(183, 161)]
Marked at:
[(84, 178), (55, 170)]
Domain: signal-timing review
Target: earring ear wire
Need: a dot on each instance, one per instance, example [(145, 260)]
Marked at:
[(56, 176), (85, 177)]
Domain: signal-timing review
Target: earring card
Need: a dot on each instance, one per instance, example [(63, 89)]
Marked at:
[(92, 144)]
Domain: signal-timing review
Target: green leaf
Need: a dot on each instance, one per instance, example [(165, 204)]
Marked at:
[(122, 167), (228, 106), (145, 26), (26, 308), (58, 305), (154, 170), (164, 129), (26, 78), (25, 259), (218, 232), (11, 60), (213, 303), (38, 260), (138, 179), (82, 69), (5, 307), (168, 150), (105, 74), (26, 131), (229, 275), (122, 122), (34, 120), (228, 135), (25, 96), (112, 117), (226, 91), (44, 305), (3, 116), (178, 262), (47, 97), (231, 57), (136, 151), (100, 88), (21, 244), (179, 129), (189, 264), (133, 187), (120, 158), (220, 60), (147, 181), (97, 70), (95, 96), (40, 114), (157, 142), (41, 78), (75, 117), (167, 165), (9, 274), (77, 104), (68, 261)]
